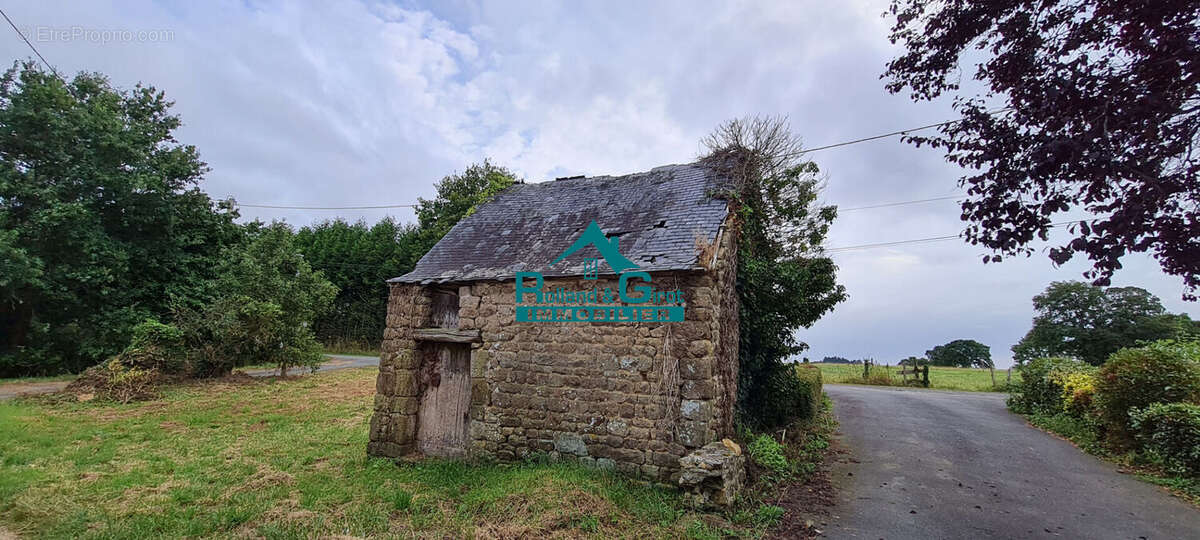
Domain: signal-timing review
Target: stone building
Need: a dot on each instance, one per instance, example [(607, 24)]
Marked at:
[(578, 367)]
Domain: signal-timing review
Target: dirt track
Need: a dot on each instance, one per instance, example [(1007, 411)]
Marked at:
[(336, 361)]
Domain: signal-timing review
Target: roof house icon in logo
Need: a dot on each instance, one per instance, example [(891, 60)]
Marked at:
[(608, 248)]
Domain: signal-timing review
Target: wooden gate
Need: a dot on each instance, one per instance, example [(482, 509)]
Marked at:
[(919, 374)]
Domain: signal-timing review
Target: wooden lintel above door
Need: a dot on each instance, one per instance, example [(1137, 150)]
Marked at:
[(447, 335)]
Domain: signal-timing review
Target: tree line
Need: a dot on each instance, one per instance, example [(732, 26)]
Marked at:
[(105, 235), (113, 256), (1073, 320)]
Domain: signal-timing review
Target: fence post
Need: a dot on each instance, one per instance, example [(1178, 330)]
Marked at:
[(925, 376), (866, 369)]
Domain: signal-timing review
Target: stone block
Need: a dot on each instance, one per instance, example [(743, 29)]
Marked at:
[(480, 392), (479, 361), (693, 409), (706, 389), (712, 475), (700, 348), (570, 443), (696, 368), (405, 405), (404, 359), (692, 434), (405, 383), (404, 427)]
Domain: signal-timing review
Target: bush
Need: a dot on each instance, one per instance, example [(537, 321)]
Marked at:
[(788, 394), (1164, 371), (1171, 432), (156, 346), (809, 390), (1040, 387), (1078, 391), (768, 453), (269, 297)]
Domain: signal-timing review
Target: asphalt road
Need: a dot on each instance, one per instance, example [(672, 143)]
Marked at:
[(930, 464), (335, 361)]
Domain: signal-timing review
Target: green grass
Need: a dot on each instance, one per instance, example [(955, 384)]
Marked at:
[(946, 378), (287, 459)]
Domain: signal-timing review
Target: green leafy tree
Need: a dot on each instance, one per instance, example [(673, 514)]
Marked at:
[(1086, 105), (784, 283), (102, 224), (1086, 322), (269, 298), (457, 196), (835, 360), (358, 259), (961, 353)]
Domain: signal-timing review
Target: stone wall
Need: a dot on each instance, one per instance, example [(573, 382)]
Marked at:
[(632, 397)]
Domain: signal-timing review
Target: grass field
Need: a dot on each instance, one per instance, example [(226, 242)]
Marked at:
[(287, 459), (946, 378)]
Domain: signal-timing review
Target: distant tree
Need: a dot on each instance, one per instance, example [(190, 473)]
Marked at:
[(1089, 323), (102, 222), (1100, 113), (913, 361), (358, 259), (961, 353), (457, 197), (784, 282), (835, 360), (269, 297)]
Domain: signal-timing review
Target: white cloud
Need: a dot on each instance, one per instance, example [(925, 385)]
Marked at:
[(353, 103)]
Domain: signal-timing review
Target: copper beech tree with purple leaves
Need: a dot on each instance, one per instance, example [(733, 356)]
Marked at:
[(1086, 105)]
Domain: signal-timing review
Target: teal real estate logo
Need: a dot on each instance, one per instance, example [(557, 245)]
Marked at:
[(634, 299)]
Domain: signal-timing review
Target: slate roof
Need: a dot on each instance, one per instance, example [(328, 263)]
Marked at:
[(659, 217)]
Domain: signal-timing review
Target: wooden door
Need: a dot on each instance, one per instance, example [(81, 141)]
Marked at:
[(443, 414)]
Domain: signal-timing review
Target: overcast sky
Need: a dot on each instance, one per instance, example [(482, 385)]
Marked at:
[(343, 103)]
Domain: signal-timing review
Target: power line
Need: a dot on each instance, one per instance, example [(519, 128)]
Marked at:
[(324, 207), (894, 133), (896, 243), (804, 151), (901, 203), (27, 42), (925, 240), (383, 206)]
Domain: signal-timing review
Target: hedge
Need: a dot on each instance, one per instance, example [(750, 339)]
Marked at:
[(1161, 372), (809, 401), (1172, 432), (796, 395), (1044, 384)]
